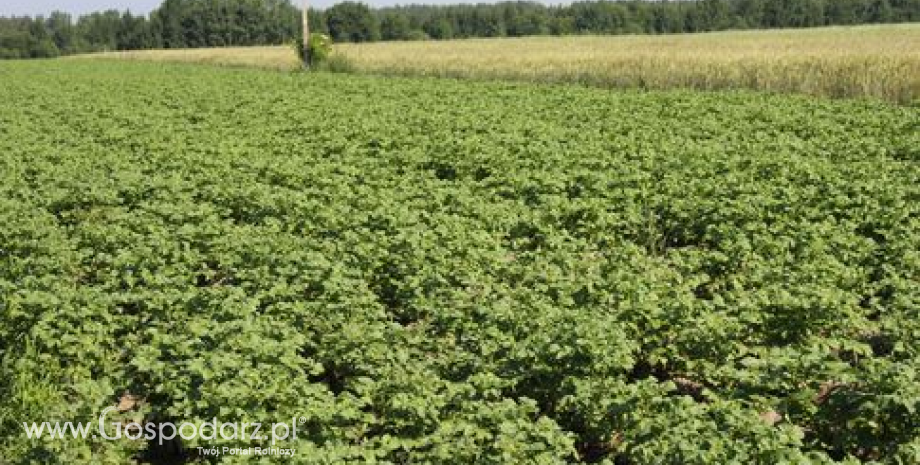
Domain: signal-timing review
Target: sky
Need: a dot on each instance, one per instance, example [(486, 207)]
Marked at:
[(36, 7)]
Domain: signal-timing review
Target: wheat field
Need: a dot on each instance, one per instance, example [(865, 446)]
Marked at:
[(271, 57), (861, 61)]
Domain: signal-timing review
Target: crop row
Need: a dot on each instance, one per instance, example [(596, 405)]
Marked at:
[(435, 271)]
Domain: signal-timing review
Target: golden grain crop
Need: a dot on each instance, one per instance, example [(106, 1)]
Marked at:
[(861, 61), (875, 61)]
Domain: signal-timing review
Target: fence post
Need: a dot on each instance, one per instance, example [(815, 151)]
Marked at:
[(306, 35)]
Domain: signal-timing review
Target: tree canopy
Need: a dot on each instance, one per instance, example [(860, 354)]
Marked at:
[(215, 23)]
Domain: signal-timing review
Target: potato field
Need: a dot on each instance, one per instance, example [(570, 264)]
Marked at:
[(433, 271)]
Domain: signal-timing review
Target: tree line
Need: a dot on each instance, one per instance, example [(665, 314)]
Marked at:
[(175, 24), (213, 23), (356, 22)]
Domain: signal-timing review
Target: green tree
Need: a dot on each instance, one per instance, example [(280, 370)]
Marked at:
[(352, 22), (133, 33), (41, 43), (440, 29), (842, 11), (100, 30), (880, 11), (395, 26), (317, 20), (169, 16), (527, 22), (63, 33), (714, 14)]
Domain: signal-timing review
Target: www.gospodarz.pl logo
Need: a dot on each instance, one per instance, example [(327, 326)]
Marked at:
[(168, 431)]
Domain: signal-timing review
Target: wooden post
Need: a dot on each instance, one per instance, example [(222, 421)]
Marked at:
[(306, 35)]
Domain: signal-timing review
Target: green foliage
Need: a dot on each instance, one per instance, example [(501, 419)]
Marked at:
[(212, 23), (433, 271), (208, 23), (352, 22), (175, 24), (395, 26), (320, 49)]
